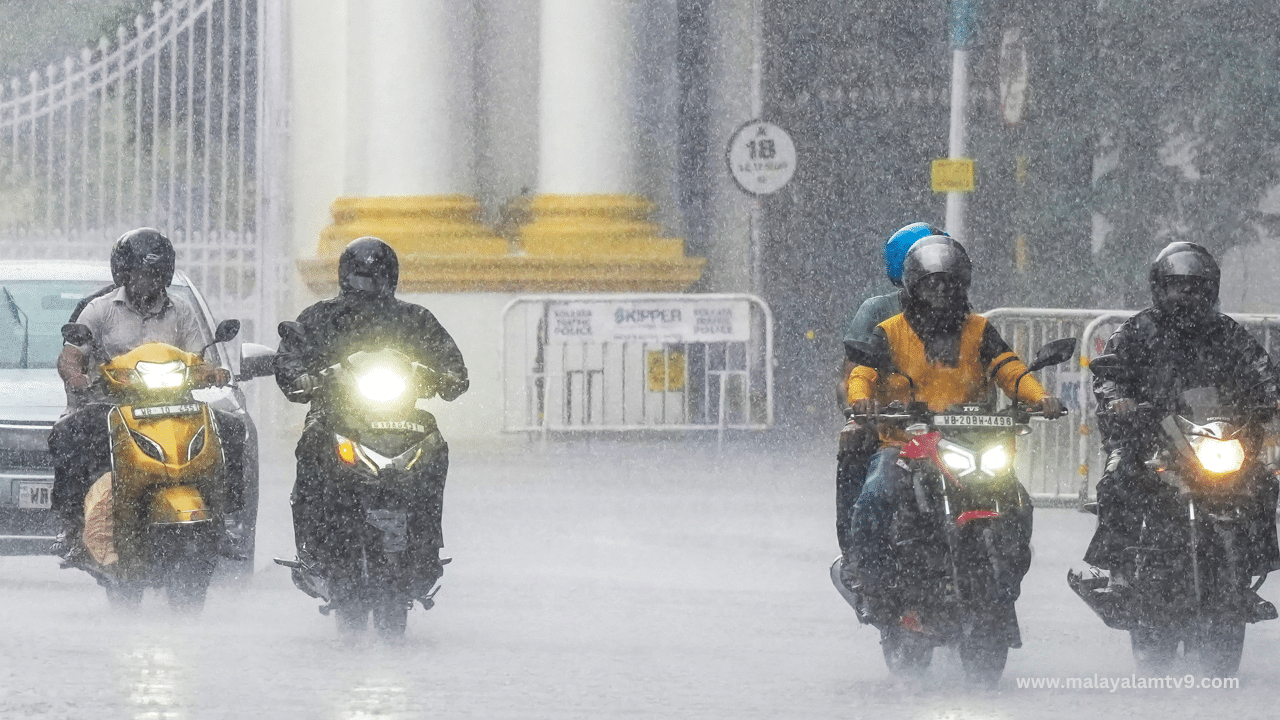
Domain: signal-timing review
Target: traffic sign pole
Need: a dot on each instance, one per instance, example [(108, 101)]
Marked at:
[(962, 19)]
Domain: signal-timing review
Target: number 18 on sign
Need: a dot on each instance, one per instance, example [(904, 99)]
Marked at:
[(761, 157)]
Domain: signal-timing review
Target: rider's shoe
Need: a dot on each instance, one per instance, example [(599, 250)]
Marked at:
[(1256, 609)]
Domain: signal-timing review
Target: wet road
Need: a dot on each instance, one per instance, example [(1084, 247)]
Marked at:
[(597, 581)]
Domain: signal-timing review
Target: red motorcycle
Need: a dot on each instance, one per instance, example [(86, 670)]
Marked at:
[(962, 547)]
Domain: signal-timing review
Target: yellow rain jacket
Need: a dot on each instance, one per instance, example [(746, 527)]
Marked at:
[(904, 373)]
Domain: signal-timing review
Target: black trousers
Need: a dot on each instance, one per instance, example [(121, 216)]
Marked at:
[(81, 447)]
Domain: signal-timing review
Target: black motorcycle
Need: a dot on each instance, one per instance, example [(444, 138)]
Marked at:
[(382, 469), (1192, 578), (962, 547)]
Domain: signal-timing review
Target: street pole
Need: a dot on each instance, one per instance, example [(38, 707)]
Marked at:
[(962, 20)]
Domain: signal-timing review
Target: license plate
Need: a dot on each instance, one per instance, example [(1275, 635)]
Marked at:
[(166, 410), (973, 421), (35, 496)]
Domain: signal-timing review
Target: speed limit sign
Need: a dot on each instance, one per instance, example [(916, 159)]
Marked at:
[(761, 157)]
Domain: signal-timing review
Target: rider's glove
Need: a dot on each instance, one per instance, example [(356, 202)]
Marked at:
[(1123, 406), (78, 383), (865, 406), (1051, 407)]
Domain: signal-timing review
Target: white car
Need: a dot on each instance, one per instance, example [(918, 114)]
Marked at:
[(36, 299)]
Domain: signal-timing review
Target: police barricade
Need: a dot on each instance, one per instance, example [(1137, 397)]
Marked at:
[(579, 363), (1061, 460)]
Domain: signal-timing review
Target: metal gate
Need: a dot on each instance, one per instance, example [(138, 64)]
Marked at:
[(1062, 459), (163, 126), (573, 363)]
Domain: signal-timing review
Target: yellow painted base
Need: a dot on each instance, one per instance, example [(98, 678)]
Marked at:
[(562, 243)]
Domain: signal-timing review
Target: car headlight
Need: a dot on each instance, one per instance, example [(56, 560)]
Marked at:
[(996, 460), (381, 385), (158, 376), (1218, 456)]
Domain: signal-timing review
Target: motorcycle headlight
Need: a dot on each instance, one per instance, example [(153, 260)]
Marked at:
[(1218, 456), (996, 460), (158, 376), (957, 459), (381, 385)]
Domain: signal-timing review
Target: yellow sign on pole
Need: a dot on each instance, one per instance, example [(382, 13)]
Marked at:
[(665, 371), (953, 175)]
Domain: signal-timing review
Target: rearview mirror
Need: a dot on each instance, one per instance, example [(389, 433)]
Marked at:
[(292, 331), (256, 361), (227, 330), (1108, 367), (76, 334), (1053, 353)]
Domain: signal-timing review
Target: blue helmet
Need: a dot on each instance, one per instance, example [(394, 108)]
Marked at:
[(895, 249)]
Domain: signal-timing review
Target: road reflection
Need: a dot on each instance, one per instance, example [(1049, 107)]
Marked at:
[(153, 680), (375, 699)]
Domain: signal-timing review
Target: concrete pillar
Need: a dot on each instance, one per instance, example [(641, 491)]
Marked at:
[(588, 210), (411, 165)]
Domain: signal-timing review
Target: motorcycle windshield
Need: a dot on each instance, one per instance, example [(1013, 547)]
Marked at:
[(1204, 404)]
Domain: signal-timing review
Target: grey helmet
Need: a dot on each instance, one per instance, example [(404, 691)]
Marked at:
[(1185, 278), (368, 266), (936, 255)]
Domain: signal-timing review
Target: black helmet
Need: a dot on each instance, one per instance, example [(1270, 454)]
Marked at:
[(1185, 279), (368, 266), (936, 255), (143, 248)]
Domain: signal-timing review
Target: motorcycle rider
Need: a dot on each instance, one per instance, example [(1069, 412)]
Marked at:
[(364, 315), (939, 353), (858, 442), (136, 311), (1181, 342)]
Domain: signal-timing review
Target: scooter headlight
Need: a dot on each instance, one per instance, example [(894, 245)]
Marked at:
[(1218, 456), (159, 376), (381, 385), (996, 460)]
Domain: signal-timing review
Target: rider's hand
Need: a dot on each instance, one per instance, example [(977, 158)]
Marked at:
[(1051, 407), (78, 383), (1123, 406), (865, 406), (221, 377)]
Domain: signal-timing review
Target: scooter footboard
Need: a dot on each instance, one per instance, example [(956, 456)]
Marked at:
[(179, 505)]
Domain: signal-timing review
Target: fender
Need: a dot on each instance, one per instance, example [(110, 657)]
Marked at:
[(970, 515), (178, 505)]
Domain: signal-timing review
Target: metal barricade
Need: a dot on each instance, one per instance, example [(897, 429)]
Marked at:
[(575, 363), (1060, 460)]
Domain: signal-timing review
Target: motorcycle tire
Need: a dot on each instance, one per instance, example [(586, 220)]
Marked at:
[(905, 652), (352, 617), (1219, 647), (983, 658), (1154, 649), (187, 584), (124, 596), (390, 617)]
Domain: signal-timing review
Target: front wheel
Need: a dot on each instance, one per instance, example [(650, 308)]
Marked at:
[(983, 658), (1219, 646), (905, 652), (352, 616), (1154, 649), (124, 596), (390, 617)]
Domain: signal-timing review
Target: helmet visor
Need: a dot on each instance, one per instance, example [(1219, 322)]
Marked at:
[(1190, 264)]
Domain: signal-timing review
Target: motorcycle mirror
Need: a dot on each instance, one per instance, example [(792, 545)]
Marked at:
[(227, 330), (76, 334), (292, 331), (1107, 367), (1053, 353)]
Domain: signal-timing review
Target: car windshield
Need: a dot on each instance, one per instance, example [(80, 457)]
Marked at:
[(32, 313)]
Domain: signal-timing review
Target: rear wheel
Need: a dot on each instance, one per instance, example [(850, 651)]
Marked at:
[(187, 585), (1154, 649)]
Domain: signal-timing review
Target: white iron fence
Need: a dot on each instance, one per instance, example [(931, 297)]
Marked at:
[(158, 126), (574, 363), (1062, 459)]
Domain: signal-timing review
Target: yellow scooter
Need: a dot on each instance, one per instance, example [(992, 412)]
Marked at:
[(156, 518)]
